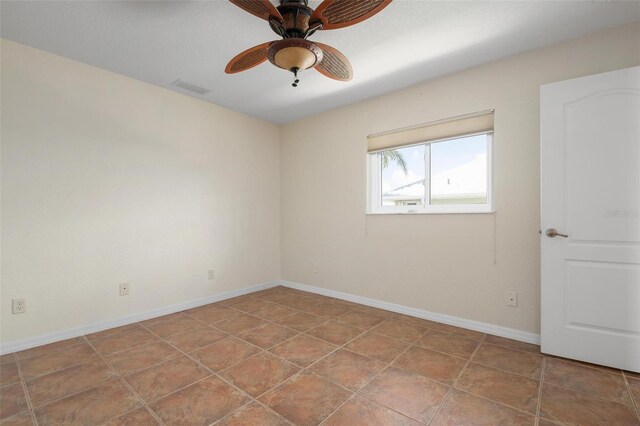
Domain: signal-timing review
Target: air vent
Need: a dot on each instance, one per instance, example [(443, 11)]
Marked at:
[(190, 87)]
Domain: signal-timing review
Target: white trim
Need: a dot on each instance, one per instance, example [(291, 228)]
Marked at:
[(32, 342), (496, 330)]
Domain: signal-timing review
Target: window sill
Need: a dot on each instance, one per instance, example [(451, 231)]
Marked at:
[(486, 212)]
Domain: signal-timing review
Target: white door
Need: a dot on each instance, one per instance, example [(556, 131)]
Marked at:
[(590, 192)]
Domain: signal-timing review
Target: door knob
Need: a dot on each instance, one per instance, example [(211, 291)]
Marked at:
[(552, 232)]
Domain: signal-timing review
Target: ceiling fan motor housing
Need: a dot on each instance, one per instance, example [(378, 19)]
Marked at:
[(294, 54), (295, 19)]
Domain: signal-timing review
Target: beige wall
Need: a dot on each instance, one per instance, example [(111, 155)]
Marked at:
[(440, 263), (106, 179)]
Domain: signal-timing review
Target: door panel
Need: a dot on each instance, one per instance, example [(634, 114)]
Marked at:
[(590, 190), (603, 170), (603, 295)]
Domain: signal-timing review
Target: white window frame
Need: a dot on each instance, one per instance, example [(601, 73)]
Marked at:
[(374, 178)]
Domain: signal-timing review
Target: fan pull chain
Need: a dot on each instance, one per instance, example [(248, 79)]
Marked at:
[(295, 76)]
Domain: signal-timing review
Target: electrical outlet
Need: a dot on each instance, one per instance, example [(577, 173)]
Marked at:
[(512, 298), (19, 306), (212, 274), (124, 289), (315, 268)]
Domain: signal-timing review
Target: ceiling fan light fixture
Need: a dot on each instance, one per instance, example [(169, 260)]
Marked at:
[(294, 54), (295, 57)]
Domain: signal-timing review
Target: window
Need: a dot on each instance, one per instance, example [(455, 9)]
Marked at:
[(444, 175)]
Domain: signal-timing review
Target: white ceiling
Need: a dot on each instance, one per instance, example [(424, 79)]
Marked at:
[(408, 42)]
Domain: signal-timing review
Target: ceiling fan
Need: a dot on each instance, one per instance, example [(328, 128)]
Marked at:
[(295, 21)]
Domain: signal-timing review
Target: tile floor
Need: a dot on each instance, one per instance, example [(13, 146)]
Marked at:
[(282, 356)]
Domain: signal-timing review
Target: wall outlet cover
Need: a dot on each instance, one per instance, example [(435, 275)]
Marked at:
[(19, 306)]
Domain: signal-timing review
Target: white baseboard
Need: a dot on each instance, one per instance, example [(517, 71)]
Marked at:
[(32, 342), (497, 330)]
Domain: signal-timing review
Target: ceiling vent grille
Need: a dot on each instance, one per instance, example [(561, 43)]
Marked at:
[(190, 87)]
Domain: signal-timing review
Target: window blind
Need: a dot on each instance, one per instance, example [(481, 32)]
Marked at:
[(479, 122)]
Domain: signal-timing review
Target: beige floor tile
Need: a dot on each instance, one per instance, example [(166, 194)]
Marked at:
[(364, 412), (461, 408), (138, 417), (267, 335), (377, 346), (69, 381), (506, 388), (400, 330), (514, 361), (431, 364), (162, 379), (408, 393), (300, 321), (253, 414), (199, 404), (451, 344), (598, 383), (12, 400), (306, 399), (225, 353), (348, 369), (260, 373), (303, 350), (195, 339), (335, 332), (141, 357), (565, 406), (91, 407)]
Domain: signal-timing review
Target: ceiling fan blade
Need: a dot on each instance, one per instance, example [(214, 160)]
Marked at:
[(260, 8), (248, 59), (342, 13), (334, 64)]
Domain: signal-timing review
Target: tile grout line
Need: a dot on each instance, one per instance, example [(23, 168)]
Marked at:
[(307, 368), (505, 371), (99, 356), (23, 383), (389, 364), (539, 402), (298, 333), (252, 399), (480, 342), (213, 374), (392, 316), (601, 368), (634, 400), (303, 369), (469, 362), (85, 340), (68, 395), (373, 330), (593, 396), (85, 361), (455, 382), (144, 403)]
